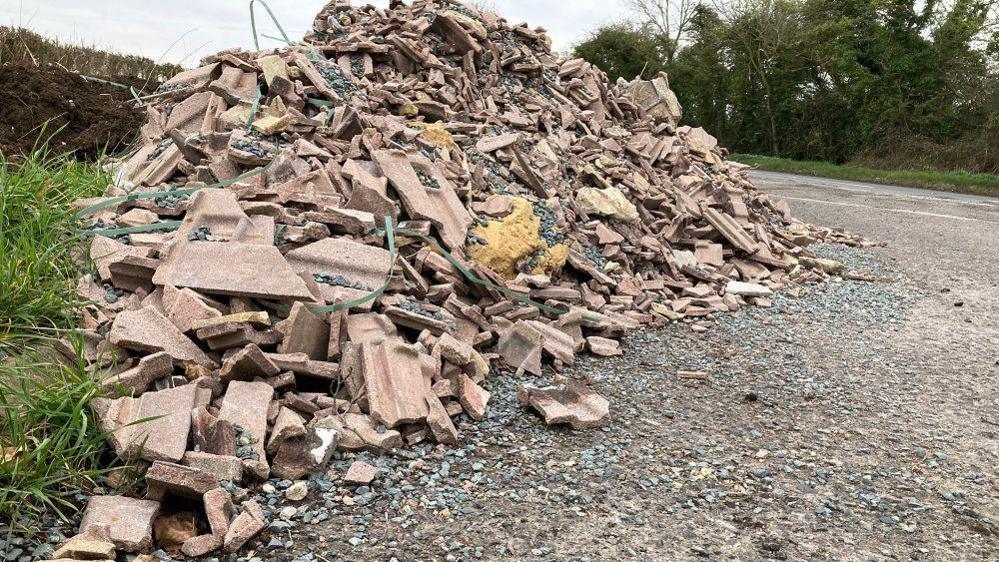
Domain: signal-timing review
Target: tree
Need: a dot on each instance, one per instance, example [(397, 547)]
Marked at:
[(622, 51), (762, 32), (701, 75), (668, 19)]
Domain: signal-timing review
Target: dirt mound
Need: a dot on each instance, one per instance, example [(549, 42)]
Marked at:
[(87, 115)]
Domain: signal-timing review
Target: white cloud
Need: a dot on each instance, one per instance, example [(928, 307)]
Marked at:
[(186, 30)]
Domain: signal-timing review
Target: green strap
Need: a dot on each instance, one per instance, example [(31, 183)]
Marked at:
[(165, 193), (253, 110), (131, 89), (102, 81), (253, 24), (324, 103), (313, 53), (135, 95), (271, 37)]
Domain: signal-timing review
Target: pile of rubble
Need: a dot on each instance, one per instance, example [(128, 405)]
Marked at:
[(232, 321)]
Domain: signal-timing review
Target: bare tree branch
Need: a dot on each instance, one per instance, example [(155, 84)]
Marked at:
[(668, 18)]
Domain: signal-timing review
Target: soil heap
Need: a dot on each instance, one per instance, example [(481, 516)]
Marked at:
[(74, 115)]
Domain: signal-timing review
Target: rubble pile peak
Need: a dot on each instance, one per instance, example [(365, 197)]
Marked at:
[(247, 298)]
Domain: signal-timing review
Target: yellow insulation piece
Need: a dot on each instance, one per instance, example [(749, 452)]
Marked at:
[(436, 134), (515, 239)]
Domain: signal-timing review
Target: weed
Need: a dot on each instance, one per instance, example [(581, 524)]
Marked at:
[(51, 446), (20, 46), (38, 243)]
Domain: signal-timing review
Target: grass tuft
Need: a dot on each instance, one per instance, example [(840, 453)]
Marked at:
[(39, 242), (50, 445), (960, 182)]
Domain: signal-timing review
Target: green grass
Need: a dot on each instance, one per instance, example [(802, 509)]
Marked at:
[(38, 243), (961, 182), (50, 445)]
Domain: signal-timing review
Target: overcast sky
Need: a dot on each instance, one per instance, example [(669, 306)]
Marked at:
[(197, 28)]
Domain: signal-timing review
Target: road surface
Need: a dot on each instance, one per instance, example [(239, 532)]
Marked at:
[(775, 179)]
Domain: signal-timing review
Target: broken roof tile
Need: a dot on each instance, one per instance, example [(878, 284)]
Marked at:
[(344, 269), (396, 384), (148, 330), (105, 251), (358, 432), (520, 347), (139, 378), (244, 527), (187, 308), (247, 364), (184, 481), (236, 269), (436, 202), (571, 403), (166, 422), (473, 398), (555, 342), (304, 332), (125, 522), (245, 407)]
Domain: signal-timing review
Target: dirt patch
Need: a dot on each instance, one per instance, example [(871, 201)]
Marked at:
[(88, 116)]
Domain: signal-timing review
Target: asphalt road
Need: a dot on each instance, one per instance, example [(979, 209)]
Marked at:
[(946, 242), (774, 179)]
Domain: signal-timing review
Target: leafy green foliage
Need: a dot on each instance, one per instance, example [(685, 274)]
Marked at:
[(622, 51), (50, 445)]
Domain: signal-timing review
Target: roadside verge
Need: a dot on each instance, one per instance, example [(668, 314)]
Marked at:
[(959, 182)]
